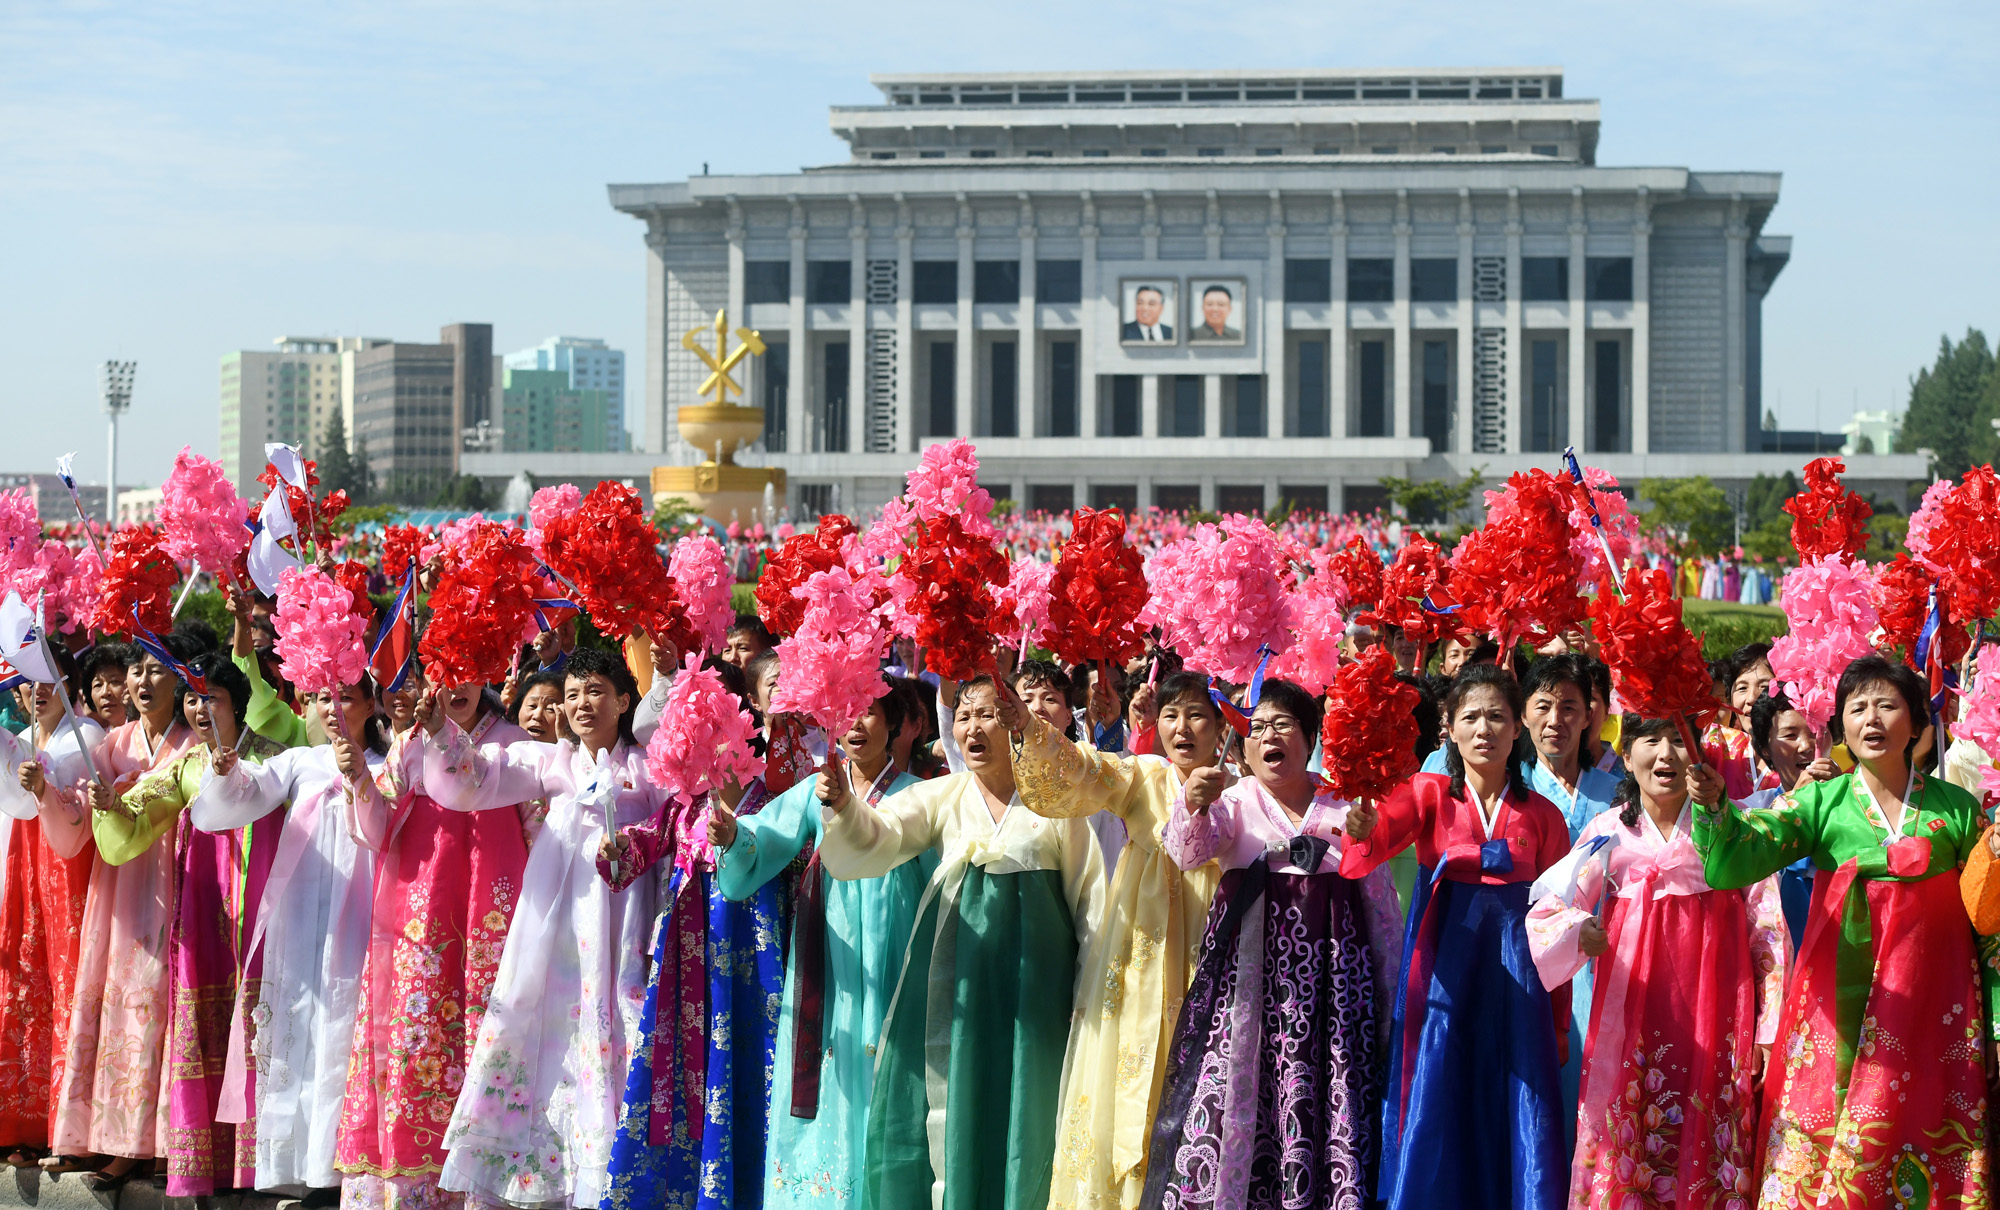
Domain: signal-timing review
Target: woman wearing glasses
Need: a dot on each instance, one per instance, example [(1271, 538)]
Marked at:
[(1290, 991), (1473, 1116)]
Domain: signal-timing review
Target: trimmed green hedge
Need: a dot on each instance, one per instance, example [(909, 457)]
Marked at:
[(1724, 626)]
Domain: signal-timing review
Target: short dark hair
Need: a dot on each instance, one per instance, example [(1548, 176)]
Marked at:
[(1501, 681), (1764, 714), (586, 662), (1632, 728), (1219, 288), (1177, 686), (221, 673), (1874, 670), (1551, 671), (1143, 289), (1600, 679), (1295, 701), (1040, 672), (199, 633), (1747, 657), (103, 655), (752, 625), (753, 668), (1425, 712), (531, 681)]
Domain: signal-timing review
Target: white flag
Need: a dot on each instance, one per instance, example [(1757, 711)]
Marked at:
[(267, 560), (290, 467), (21, 641), (63, 468)]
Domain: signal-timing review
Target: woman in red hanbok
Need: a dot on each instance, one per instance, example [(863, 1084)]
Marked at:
[(1689, 984), (41, 920)]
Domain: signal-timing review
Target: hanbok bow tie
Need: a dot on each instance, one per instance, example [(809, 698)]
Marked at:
[(1306, 852)]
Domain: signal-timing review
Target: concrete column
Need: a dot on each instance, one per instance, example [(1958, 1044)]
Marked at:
[(1736, 266), (968, 340), (1517, 419), (1213, 230), (1211, 406), (1461, 436), (1578, 317), (1144, 487), (660, 428), (737, 316), (1028, 386), (906, 334), (1399, 313), (798, 350), (1272, 329), (1089, 311), (1149, 405), (1641, 422), (1208, 493), (1150, 232), (1340, 418), (857, 326)]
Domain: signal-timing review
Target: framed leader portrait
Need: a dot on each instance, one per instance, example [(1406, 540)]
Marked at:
[(1217, 309), (1148, 311)]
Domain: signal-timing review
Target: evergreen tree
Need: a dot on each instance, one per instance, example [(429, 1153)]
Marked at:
[(1951, 405), (338, 468)]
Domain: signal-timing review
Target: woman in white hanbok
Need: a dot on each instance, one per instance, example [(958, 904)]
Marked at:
[(313, 929), (535, 1118)]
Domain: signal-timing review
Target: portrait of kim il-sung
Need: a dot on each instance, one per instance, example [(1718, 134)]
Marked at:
[(1147, 309), (1217, 308)]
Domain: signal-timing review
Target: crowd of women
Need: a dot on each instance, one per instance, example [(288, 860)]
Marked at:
[(1090, 936)]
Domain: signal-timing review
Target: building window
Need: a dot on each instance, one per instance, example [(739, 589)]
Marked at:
[(1247, 414), (1239, 498), (1308, 281), (1545, 410), (829, 281), (1270, 151), (1121, 496), (1607, 279), (833, 427), (1382, 150), (767, 281), (1373, 414), (1545, 278), (996, 281), (1610, 392), (1184, 407), (881, 155), (1437, 395), (1096, 153), (1434, 279), (1312, 389), (1326, 151), (1176, 498), (1371, 279), (1062, 388), (1492, 149), (1444, 151), (815, 499), (1153, 153), (930, 155), (1004, 412), (934, 281), (1059, 281), (1208, 151), (1039, 153), (1307, 498), (777, 369), (983, 153), (1548, 149), (1054, 499), (944, 388), (1123, 414), (1364, 498)]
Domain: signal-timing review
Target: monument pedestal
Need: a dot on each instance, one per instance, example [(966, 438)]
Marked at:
[(718, 488)]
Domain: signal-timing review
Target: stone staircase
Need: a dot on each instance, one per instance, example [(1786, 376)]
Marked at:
[(22, 1187)]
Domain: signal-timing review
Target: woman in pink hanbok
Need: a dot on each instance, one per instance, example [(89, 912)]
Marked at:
[(1689, 984), (445, 887)]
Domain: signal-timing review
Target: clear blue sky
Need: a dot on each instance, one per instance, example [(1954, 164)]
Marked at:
[(179, 180)]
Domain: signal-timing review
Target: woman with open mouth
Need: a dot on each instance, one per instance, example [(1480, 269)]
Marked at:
[(966, 1082), (1290, 990), (1877, 1095), (1139, 963), (1473, 1113), (1689, 982)]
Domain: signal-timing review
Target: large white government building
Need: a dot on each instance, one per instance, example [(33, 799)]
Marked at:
[(1350, 274)]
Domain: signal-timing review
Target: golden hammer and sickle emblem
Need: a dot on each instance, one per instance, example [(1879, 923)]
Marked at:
[(724, 359)]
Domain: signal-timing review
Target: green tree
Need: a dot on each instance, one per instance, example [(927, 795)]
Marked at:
[(1764, 501), (339, 470), (1432, 501), (674, 517), (463, 494), (1695, 508), (1950, 406)]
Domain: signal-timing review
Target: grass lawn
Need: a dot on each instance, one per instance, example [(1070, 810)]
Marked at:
[(1698, 611)]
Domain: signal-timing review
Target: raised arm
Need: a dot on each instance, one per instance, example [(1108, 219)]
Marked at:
[(267, 713), (1060, 779), (464, 776), (860, 841), (766, 842), (1740, 847), (1399, 820), (370, 797), (1201, 822), (249, 791), (148, 813)]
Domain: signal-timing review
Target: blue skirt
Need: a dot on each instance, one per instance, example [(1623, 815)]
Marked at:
[(1473, 1118), (744, 962)]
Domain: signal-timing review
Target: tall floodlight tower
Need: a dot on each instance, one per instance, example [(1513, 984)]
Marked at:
[(117, 398)]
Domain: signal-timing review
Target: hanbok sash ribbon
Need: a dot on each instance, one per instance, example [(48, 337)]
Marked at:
[(810, 986)]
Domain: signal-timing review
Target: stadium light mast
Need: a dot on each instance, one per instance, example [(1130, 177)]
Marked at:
[(118, 377)]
